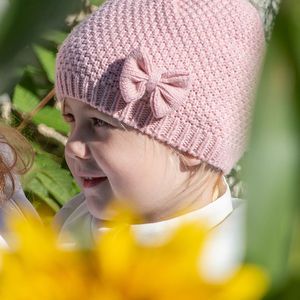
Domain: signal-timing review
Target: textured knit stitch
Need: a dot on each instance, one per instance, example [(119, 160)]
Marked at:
[(217, 44)]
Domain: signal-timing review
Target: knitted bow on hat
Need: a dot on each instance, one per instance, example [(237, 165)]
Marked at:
[(167, 89)]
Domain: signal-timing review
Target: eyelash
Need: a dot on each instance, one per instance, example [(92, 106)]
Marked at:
[(99, 122), (69, 118)]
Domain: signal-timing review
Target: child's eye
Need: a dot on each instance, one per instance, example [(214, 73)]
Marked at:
[(68, 118), (99, 122)]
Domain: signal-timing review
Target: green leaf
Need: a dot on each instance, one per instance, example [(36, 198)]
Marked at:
[(76, 188), (56, 36), (47, 60), (57, 190), (97, 2), (272, 166), (50, 202), (4, 6), (27, 178), (56, 180), (24, 100), (51, 117), (34, 70), (39, 152), (46, 178), (35, 186), (23, 24)]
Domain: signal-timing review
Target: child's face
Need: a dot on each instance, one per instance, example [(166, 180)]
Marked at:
[(108, 161)]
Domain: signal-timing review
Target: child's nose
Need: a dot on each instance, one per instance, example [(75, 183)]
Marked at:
[(77, 149)]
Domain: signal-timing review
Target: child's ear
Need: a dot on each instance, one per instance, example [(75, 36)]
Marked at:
[(190, 160)]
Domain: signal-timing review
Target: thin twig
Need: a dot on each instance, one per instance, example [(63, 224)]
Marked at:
[(36, 109)]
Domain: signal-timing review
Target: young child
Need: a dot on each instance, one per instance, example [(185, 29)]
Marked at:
[(16, 158), (158, 95)]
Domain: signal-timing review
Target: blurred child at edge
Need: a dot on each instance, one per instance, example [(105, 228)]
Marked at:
[(158, 95), (16, 158)]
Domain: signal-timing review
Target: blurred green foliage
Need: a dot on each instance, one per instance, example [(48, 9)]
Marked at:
[(272, 168), (23, 24), (30, 34)]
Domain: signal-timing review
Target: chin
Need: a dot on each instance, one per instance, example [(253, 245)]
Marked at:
[(100, 209)]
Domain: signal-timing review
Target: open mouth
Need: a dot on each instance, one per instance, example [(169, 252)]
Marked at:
[(89, 182)]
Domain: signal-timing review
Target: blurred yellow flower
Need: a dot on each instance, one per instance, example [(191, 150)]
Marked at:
[(119, 269)]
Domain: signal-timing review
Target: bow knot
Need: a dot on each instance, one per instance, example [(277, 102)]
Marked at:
[(153, 81), (168, 90)]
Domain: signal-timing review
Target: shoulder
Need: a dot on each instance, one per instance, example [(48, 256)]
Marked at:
[(239, 207), (225, 249), (234, 223), (17, 207), (73, 225), (238, 203), (67, 210)]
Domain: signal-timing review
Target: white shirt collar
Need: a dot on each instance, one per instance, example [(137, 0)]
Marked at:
[(209, 216)]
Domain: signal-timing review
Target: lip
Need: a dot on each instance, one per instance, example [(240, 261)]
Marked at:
[(84, 174), (90, 183)]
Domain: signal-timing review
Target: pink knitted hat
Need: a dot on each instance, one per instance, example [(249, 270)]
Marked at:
[(181, 71)]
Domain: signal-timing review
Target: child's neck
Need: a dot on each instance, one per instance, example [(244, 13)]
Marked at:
[(191, 200)]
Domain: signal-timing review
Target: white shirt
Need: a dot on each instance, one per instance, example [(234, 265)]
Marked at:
[(223, 217)]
